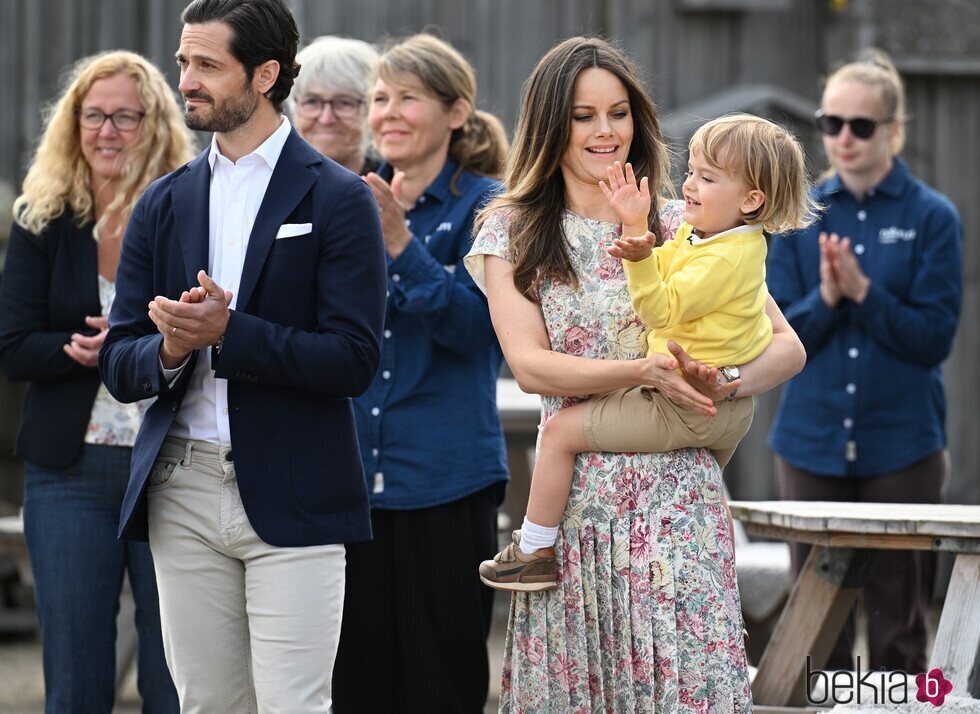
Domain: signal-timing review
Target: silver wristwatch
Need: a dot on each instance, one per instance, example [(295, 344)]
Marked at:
[(730, 373)]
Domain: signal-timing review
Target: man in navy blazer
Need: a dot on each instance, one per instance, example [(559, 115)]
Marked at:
[(250, 301)]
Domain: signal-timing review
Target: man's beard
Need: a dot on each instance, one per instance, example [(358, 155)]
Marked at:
[(225, 116)]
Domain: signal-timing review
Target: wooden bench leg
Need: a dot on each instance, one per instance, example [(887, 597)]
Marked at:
[(818, 605), (520, 458), (957, 648)]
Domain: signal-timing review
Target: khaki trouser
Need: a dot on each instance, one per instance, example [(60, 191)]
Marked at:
[(246, 626), (641, 419)]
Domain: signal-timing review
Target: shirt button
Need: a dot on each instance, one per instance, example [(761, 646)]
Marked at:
[(853, 353), (421, 199), (375, 411), (859, 249), (848, 423), (387, 334), (395, 278), (225, 410), (862, 215), (851, 388), (374, 452), (386, 374)]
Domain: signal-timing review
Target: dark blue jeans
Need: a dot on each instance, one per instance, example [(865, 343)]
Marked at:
[(70, 521)]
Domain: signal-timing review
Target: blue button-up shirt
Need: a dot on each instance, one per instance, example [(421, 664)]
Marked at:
[(428, 425), (870, 399)]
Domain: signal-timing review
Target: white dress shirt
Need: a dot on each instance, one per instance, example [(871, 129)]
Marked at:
[(237, 190)]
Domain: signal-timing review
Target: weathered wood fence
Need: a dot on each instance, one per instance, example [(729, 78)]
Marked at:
[(702, 58)]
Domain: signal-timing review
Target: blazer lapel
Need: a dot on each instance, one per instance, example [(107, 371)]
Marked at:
[(191, 193), (289, 183)]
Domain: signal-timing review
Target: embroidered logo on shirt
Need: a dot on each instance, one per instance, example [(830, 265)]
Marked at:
[(445, 226), (887, 236)]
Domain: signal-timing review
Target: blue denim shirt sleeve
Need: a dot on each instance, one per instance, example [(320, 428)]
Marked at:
[(451, 307), (428, 424), (922, 323)]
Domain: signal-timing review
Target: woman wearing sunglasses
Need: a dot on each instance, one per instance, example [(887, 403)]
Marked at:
[(873, 290)]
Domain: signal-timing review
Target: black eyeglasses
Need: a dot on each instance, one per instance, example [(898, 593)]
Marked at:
[(123, 120), (861, 127), (342, 107)]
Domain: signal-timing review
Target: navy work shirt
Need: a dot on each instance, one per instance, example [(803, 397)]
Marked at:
[(870, 399), (428, 424)]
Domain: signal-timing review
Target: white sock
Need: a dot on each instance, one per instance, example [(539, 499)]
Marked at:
[(534, 536)]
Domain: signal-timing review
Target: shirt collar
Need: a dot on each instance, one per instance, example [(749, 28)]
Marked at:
[(269, 150), (892, 185), (738, 230), (438, 189)]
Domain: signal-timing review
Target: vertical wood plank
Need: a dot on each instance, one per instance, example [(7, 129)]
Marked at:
[(957, 648), (812, 619)]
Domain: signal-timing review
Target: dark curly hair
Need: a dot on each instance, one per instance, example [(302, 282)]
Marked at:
[(262, 30)]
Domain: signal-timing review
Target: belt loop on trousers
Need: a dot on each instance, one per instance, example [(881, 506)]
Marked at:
[(188, 448)]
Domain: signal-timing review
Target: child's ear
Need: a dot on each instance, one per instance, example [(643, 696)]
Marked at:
[(752, 201)]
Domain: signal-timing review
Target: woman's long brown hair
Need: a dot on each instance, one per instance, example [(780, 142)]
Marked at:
[(534, 186)]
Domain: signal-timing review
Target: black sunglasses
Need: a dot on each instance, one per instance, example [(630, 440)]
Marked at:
[(861, 127)]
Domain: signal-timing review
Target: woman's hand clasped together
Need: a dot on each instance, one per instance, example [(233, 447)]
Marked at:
[(84, 349), (841, 275)]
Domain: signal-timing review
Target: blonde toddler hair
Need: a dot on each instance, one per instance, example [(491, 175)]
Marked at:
[(768, 159)]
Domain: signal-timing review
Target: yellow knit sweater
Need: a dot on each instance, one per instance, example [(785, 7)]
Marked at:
[(708, 296)]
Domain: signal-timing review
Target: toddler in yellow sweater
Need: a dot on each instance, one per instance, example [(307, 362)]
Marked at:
[(705, 289)]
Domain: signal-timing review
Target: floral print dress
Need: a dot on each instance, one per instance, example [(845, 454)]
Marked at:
[(646, 616)]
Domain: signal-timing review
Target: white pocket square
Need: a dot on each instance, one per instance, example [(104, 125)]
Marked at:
[(291, 230)]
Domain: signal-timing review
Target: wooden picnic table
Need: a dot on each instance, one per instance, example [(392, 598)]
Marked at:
[(843, 536)]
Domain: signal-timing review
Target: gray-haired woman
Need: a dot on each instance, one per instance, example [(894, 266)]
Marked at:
[(328, 103)]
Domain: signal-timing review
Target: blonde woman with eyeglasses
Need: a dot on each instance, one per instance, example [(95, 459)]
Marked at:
[(115, 128), (873, 289)]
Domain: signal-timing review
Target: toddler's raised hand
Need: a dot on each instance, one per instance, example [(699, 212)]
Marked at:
[(630, 200)]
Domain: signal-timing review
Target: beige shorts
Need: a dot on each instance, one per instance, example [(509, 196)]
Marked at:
[(641, 419)]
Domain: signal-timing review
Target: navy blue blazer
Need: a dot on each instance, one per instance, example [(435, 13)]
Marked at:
[(50, 284), (304, 338)]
